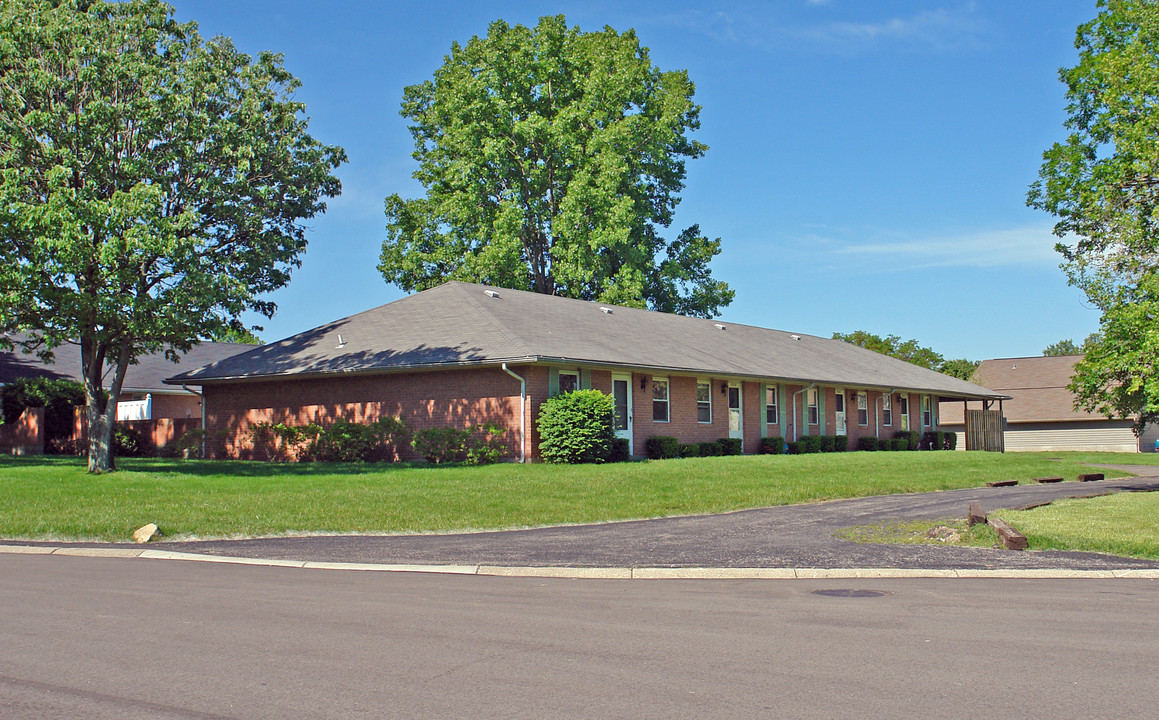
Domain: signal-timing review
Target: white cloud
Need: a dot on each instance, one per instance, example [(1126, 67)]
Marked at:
[(937, 30), (1025, 246)]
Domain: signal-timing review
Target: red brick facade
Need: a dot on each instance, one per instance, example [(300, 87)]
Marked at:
[(472, 396)]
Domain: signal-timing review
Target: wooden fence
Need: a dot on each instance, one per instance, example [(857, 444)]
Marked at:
[(985, 430)]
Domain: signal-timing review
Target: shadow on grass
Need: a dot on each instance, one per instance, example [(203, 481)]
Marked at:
[(213, 468)]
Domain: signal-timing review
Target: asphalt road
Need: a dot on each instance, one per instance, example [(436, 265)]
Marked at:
[(797, 536), (116, 638)]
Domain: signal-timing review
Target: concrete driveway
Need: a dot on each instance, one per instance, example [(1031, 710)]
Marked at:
[(797, 536)]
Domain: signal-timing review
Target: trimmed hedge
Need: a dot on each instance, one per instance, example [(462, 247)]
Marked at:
[(711, 449), (899, 444), (731, 446), (689, 450), (939, 440), (620, 451), (840, 443), (911, 437), (867, 444), (662, 447), (810, 444), (793, 448), (772, 445)]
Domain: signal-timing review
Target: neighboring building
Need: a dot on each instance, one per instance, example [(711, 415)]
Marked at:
[(144, 394), (462, 354), (1040, 414)]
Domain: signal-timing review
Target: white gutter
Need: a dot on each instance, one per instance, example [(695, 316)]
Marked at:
[(203, 430), (796, 430), (522, 414)]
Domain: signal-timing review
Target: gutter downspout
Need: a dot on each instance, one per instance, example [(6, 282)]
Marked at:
[(796, 430), (522, 414), (203, 433)]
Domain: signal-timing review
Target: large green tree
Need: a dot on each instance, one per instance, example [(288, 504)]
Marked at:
[(911, 352), (552, 160), (152, 185), (1102, 183)]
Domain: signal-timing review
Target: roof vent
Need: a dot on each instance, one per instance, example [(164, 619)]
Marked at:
[(490, 293), (606, 310), (719, 326), (341, 342), (795, 337)]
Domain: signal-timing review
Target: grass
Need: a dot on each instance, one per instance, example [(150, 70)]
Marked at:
[(1120, 524), (53, 497), (922, 532)]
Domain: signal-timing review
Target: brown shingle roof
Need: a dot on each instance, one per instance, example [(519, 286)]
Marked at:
[(147, 375), (464, 324), (1036, 386)]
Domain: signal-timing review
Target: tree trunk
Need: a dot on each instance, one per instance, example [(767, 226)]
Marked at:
[(100, 434)]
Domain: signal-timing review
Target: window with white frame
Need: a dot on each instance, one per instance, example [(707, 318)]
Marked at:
[(927, 413), (660, 399), (862, 409), (703, 402), (568, 381), (887, 410), (772, 412), (811, 404)]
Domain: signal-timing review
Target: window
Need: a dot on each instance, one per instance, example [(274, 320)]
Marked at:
[(568, 381), (660, 399), (862, 409), (887, 410), (811, 402), (703, 402), (772, 416), (927, 414)]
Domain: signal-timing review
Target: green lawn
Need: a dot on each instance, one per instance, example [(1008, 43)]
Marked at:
[(1120, 524), (53, 497)]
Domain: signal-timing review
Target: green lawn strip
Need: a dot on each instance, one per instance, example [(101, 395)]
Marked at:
[(1120, 524), (53, 497)]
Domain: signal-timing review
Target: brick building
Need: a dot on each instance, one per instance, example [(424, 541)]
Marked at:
[(462, 354)]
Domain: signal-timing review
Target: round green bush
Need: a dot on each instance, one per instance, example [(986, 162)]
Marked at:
[(576, 427)]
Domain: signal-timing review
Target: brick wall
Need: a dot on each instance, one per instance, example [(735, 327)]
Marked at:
[(453, 398), (26, 435)]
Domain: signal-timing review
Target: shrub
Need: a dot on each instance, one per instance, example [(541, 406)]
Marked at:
[(899, 444), (810, 444), (343, 441), (711, 449), (840, 443), (826, 443), (689, 450), (882, 444), (951, 441), (772, 445), (576, 427), (731, 446), (867, 443), (662, 447), (127, 442), (912, 438), (620, 451), (793, 448), (473, 445)]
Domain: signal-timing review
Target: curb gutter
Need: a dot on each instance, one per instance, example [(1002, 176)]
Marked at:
[(605, 573)]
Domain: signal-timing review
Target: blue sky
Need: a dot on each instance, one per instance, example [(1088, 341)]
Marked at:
[(867, 169)]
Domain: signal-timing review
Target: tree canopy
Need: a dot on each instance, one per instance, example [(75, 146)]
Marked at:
[(911, 352), (552, 159), (152, 185), (1102, 183)]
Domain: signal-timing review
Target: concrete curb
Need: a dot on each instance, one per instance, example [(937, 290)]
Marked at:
[(602, 573)]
